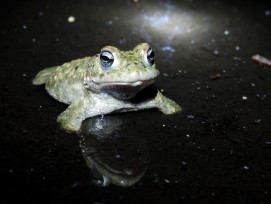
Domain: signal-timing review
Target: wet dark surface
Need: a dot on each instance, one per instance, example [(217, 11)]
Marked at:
[(217, 150)]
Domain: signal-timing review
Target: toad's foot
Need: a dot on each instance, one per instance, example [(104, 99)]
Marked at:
[(71, 119), (68, 124), (166, 105)]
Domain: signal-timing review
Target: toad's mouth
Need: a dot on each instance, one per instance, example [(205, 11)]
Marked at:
[(124, 90)]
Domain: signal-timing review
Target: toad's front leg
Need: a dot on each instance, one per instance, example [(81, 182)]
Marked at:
[(166, 105), (71, 119)]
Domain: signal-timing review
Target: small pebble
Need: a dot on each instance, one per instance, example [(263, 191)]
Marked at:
[(214, 76), (71, 19)]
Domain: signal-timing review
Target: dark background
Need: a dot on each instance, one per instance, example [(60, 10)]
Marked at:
[(217, 150)]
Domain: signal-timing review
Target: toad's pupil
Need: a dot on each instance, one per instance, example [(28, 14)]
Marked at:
[(150, 56), (106, 58)]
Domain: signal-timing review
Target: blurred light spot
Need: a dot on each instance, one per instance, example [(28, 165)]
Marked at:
[(267, 13), (168, 49), (169, 23), (71, 19), (237, 48), (226, 32)]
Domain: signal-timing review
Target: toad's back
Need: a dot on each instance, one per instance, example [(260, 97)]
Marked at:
[(65, 82)]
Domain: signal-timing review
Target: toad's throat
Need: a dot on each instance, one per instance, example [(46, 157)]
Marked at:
[(124, 90)]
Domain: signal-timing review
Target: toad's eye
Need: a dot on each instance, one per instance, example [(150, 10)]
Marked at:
[(150, 56), (106, 59)]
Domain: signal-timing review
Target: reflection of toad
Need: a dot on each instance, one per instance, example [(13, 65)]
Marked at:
[(112, 155), (103, 84)]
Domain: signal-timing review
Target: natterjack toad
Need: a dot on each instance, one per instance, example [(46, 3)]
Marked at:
[(104, 83)]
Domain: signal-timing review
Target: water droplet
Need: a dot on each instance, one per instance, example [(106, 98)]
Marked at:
[(257, 121), (246, 168), (184, 165), (41, 13), (128, 171), (109, 22), (167, 181), (190, 117), (244, 98), (156, 178), (216, 52)]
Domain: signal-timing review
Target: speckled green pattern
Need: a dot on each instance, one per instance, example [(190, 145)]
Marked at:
[(92, 89)]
